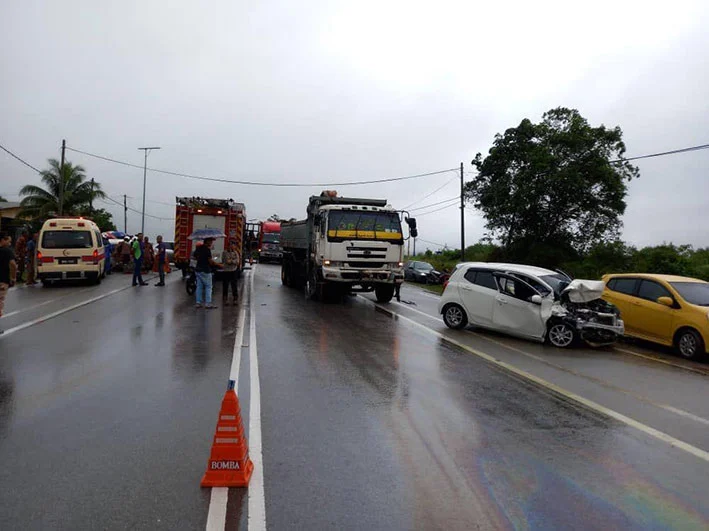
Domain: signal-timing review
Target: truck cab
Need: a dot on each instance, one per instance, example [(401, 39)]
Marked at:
[(345, 245), (269, 248)]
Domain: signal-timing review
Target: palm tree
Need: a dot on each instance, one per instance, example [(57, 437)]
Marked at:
[(78, 193)]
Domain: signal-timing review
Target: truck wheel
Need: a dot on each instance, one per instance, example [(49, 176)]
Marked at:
[(311, 287), (384, 292), (285, 275)]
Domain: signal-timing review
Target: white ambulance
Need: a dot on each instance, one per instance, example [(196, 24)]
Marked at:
[(70, 249)]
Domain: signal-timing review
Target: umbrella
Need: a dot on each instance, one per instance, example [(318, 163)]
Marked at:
[(203, 234)]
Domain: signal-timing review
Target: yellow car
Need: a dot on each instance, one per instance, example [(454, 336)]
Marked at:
[(665, 309)]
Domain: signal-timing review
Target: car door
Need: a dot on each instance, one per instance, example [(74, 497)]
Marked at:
[(478, 290), (650, 318), (621, 291), (514, 312)]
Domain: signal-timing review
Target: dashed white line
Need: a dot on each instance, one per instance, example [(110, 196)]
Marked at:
[(672, 441), (257, 500)]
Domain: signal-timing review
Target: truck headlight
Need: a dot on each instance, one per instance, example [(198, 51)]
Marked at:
[(400, 264)]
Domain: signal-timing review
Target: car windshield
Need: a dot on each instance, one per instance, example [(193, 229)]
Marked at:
[(693, 292), (557, 282), (347, 224), (66, 239), (423, 266), (271, 237)]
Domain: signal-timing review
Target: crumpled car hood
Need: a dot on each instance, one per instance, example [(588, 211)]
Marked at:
[(584, 290)]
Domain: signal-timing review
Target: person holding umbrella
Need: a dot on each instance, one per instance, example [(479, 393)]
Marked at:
[(205, 263)]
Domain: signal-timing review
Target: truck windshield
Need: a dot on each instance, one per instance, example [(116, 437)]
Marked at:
[(271, 237), (348, 224)]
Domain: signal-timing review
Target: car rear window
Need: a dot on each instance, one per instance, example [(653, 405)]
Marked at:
[(623, 285), (67, 239), (481, 278)]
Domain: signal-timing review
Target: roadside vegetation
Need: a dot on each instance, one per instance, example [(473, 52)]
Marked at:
[(553, 195)]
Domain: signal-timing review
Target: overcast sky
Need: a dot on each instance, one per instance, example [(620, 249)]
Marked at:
[(326, 91)]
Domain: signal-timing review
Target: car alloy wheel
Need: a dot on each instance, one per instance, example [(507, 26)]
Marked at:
[(561, 335), (690, 345), (454, 316)]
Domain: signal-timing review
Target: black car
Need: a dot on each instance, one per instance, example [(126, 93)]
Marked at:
[(421, 272)]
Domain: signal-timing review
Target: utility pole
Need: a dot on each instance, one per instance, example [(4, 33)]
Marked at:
[(462, 215), (61, 180), (145, 172), (125, 213), (91, 198), (414, 246)]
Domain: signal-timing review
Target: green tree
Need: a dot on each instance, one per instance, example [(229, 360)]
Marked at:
[(2, 199), (41, 202), (554, 184)]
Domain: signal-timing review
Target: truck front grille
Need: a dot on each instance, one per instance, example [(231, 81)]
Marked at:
[(365, 265), (364, 252)]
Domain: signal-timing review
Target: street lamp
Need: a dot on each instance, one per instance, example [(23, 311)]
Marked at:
[(145, 172)]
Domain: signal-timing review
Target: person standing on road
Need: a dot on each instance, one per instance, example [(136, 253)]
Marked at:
[(8, 268), (161, 252), (137, 248), (31, 259), (230, 263), (124, 253), (203, 255), (108, 254), (148, 254), (20, 252)]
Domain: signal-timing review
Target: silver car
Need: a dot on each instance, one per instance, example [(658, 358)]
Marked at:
[(530, 302)]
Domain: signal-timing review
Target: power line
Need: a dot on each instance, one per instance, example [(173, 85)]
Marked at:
[(135, 210), (18, 158), (673, 152), (433, 243), (429, 195), (257, 183), (434, 204), (436, 210)]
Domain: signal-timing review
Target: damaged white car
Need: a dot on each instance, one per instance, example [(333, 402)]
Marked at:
[(530, 302)]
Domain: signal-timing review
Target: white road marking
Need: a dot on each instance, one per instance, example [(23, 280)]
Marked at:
[(672, 441), (62, 311), (666, 362), (257, 499), (50, 301), (238, 343), (216, 517)]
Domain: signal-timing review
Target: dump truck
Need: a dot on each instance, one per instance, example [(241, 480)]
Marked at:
[(344, 245), (192, 213)]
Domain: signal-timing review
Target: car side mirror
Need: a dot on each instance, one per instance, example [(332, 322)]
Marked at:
[(666, 301), (536, 299)]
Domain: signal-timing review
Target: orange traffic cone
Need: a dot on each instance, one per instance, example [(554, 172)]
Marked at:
[(229, 464)]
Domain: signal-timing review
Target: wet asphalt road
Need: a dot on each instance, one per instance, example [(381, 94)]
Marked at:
[(370, 419)]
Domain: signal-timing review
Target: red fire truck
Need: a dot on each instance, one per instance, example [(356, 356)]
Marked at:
[(192, 213)]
